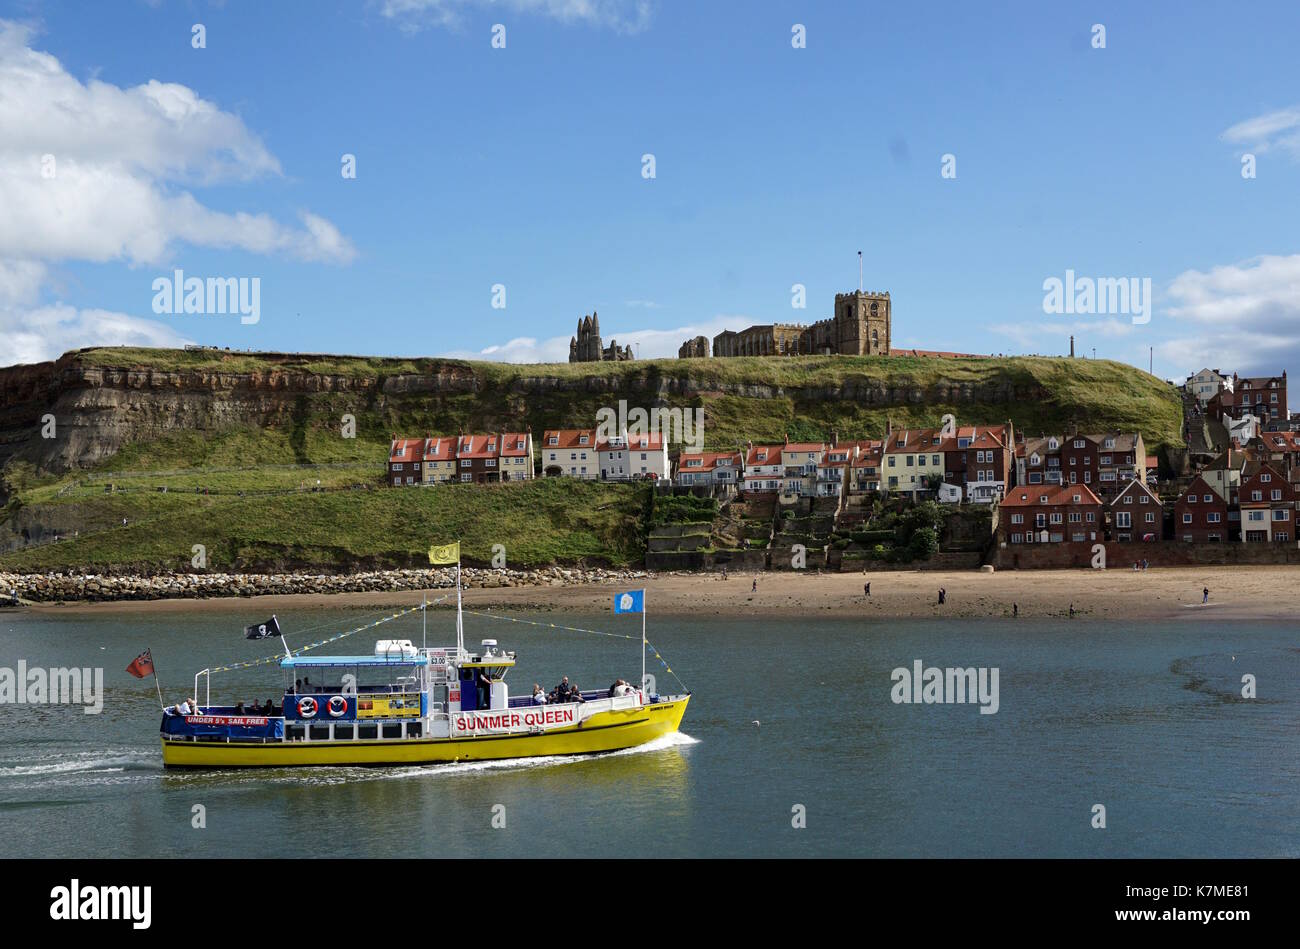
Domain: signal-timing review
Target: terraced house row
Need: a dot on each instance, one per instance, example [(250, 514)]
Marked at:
[(478, 459)]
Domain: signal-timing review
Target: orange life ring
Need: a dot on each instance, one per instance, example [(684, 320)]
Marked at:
[(307, 707)]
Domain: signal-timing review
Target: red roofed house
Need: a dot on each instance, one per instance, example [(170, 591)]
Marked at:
[(763, 470), (570, 451), (1201, 514), (1267, 503), (709, 468), (864, 472), (800, 461), (438, 460), (404, 456), (978, 459), (1136, 513), (1050, 514), (516, 461), (833, 470)]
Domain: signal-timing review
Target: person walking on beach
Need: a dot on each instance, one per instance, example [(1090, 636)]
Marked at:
[(943, 596), (1071, 611), (1015, 610), (754, 588), (866, 589), (1205, 595)]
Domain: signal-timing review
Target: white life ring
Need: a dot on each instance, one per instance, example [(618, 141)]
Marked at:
[(307, 707), (338, 706)]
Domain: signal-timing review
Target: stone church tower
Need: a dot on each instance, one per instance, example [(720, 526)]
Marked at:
[(862, 323)]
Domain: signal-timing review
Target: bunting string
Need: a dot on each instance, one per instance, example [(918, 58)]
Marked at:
[(650, 649), (267, 660)]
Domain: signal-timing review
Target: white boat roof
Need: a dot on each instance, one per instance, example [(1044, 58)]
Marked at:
[(294, 662)]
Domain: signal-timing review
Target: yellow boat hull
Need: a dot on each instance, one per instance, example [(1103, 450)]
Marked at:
[(605, 731)]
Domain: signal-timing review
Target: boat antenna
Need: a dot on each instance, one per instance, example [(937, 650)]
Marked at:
[(643, 682), (424, 621)]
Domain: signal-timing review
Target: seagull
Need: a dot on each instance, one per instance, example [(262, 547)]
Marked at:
[(755, 722)]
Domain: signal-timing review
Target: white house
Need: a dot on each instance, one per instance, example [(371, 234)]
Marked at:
[(1206, 384), (626, 458)]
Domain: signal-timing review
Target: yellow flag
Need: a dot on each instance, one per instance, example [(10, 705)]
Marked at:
[(448, 553)]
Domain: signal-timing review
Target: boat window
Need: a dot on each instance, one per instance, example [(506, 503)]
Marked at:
[(320, 733), (412, 729), (294, 732), (344, 732), (392, 729)]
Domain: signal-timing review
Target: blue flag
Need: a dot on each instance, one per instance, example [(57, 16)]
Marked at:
[(631, 602)]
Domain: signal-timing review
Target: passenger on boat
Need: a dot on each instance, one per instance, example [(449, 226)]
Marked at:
[(539, 697), (484, 691), (620, 687), (239, 708), (561, 693), (268, 708), (297, 686), (575, 694)]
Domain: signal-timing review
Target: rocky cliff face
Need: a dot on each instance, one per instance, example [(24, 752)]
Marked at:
[(97, 410), (99, 407)]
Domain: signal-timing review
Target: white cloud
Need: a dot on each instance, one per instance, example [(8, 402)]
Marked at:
[(647, 343), (1280, 129), (46, 332), (1050, 335), (622, 16), (90, 171), (1243, 316)]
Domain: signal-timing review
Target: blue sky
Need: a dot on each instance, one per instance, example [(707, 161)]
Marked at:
[(774, 165)]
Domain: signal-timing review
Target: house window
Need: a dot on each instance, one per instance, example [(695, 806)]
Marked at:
[(1187, 518), (1213, 517), (466, 463), (397, 467), (466, 476)]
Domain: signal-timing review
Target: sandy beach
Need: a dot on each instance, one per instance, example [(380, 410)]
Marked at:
[(1157, 593)]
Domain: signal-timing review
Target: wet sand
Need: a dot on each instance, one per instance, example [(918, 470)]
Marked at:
[(1158, 593)]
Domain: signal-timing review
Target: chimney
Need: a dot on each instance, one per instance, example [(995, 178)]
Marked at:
[(835, 438), (787, 438)]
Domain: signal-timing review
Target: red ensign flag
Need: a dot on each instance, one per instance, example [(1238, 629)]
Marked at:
[(141, 665)]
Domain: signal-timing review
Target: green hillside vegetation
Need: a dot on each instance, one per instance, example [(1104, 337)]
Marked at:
[(539, 523), (298, 494)]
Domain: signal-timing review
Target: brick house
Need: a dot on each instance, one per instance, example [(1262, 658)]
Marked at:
[(1261, 396), (570, 452), (1201, 514), (979, 460), (404, 457), (1136, 513), (1104, 462), (1050, 514), (1267, 502)]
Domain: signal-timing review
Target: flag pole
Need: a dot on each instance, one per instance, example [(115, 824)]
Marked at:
[(643, 598), (155, 680), (287, 654), (424, 617), (460, 632)]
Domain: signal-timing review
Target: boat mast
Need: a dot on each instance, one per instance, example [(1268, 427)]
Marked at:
[(643, 685), (460, 629)]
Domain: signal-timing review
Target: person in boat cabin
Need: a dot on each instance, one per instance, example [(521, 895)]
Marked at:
[(484, 690), (539, 697)]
